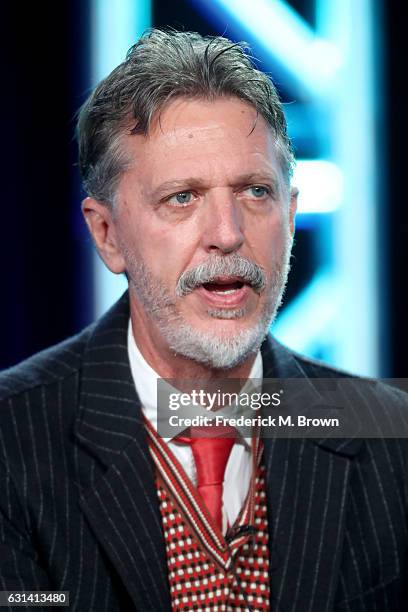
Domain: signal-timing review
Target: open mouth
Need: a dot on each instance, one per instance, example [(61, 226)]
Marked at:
[(223, 287), (225, 292)]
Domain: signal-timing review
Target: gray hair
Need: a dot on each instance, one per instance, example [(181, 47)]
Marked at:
[(161, 66)]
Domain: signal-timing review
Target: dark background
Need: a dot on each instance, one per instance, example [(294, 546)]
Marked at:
[(46, 280)]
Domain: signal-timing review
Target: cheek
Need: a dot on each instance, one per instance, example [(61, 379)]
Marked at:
[(268, 239), (166, 252)]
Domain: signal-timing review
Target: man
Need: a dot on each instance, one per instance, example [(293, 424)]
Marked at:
[(187, 166)]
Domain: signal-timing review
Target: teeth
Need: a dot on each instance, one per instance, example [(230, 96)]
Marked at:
[(225, 291)]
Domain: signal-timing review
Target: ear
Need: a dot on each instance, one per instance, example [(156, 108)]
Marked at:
[(101, 224), (294, 192)]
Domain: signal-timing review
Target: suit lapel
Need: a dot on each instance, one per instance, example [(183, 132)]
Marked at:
[(307, 488), (121, 504)]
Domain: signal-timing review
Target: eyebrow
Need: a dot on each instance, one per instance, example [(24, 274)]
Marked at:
[(197, 183)]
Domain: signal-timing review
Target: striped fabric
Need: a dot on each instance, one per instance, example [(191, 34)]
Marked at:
[(79, 508)]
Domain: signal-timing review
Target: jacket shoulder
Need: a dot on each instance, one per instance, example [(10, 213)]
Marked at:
[(46, 367), (314, 368), (303, 366), (383, 389), (288, 363)]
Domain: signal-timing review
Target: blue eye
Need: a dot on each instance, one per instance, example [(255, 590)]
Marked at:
[(181, 199), (258, 191)]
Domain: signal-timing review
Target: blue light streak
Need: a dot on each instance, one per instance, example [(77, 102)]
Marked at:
[(116, 26)]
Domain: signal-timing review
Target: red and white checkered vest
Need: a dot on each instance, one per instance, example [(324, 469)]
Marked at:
[(208, 571)]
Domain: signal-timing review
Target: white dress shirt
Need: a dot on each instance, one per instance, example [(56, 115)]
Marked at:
[(239, 467)]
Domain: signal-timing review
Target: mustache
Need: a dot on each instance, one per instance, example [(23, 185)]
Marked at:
[(215, 266)]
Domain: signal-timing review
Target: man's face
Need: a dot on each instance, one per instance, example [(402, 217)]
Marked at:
[(204, 224)]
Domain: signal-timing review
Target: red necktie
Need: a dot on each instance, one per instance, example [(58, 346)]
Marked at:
[(211, 452)]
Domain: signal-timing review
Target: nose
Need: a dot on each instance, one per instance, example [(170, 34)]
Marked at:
[(223, 224)]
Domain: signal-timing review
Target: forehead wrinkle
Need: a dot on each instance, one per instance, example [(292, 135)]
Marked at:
[(189, 135), (211, 130), (169, 124)]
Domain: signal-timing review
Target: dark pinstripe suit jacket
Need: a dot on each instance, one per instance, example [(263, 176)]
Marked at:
[(79, 510)]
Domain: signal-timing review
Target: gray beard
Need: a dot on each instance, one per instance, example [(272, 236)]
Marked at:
[(222, 351)]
